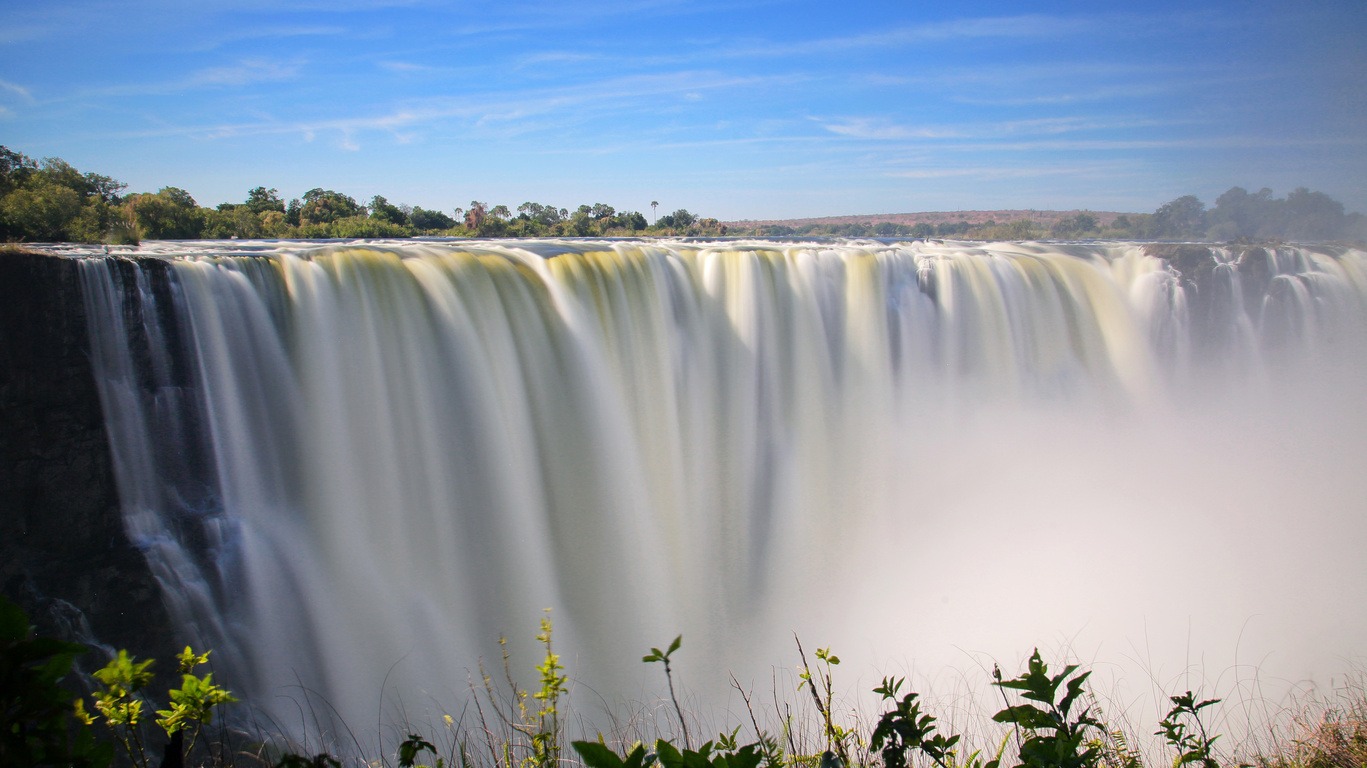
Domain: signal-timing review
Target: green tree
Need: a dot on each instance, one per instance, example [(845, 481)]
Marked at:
[(423, 219), (539, 218), (260, 200), (632, 220), (15, 169), (229, 221), (581, 223), (680, 219), (273, 223), (170, 214), (1313, 216), (52, 201), (1078, 225), (324, 206), (59, 171), (1239, 214), (41, 210), (1183, 217), (384, 210)]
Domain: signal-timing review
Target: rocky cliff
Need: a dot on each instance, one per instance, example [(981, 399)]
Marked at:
[(64, 556)]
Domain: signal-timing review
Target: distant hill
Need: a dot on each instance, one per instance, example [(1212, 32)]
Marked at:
[(1045, 218)]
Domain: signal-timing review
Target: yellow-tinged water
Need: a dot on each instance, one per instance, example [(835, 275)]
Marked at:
[(923, 453)]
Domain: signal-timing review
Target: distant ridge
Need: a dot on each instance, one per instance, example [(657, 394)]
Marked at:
[(1046, 218)]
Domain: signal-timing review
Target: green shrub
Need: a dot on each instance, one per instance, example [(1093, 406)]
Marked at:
[(37, 724)]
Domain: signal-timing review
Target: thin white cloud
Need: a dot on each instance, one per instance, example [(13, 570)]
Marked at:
[(1126, 92), (1013, 27), (1004, 172), (314, 6), (1006, 27), (530, 17), (245, 72), (242, 73), (16, 89), (882, 129), (405, 67), (269, 33), (499, 116), (556, 58)]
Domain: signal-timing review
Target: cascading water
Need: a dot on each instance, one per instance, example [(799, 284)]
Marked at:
[(354, 467)]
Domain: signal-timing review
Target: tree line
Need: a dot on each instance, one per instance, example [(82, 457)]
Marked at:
[(1238, 215), (51, 201)]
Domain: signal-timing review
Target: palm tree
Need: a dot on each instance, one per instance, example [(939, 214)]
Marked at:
[(653, 205)]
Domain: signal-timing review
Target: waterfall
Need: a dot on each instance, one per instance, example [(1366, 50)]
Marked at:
[(353, 467)]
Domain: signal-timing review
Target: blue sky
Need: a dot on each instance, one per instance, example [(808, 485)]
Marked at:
[(733, 109)]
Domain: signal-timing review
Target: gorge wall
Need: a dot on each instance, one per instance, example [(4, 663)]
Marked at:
[(64, 555)]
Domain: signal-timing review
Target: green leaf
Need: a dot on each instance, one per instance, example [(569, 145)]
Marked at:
[(747, 756), (597, 755), (14, 625), (411, 748), (668, 754), (1026, 716)]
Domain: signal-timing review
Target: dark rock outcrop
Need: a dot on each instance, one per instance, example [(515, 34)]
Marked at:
[(64, 555)]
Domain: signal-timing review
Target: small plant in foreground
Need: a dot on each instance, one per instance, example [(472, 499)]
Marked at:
[(120, 704), (1193, 745), (292, 760), (535, 735), (656, 655), (904, 729), (597, 755), (545, 734), (1055, 736), (707, 756), (768, 745), (837, 736), (413, 746)]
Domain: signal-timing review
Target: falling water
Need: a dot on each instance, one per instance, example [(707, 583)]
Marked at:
[(354, 467)]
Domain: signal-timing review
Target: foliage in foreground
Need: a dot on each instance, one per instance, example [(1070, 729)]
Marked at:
[(1049, 721), (44, 725)]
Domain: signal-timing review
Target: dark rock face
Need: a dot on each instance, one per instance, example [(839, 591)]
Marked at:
[(1194, 262), (64, 555)]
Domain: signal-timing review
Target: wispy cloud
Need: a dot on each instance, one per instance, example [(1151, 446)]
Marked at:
[(555, 15), (16, 89), (406, 67), (242, 73), (882, 129), (989, 172), (316, 6), (269, 33), (1013, 27), (494, 116), (1032, 26), (556, 58)]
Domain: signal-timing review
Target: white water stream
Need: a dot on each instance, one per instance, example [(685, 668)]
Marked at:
[(380, 458)]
